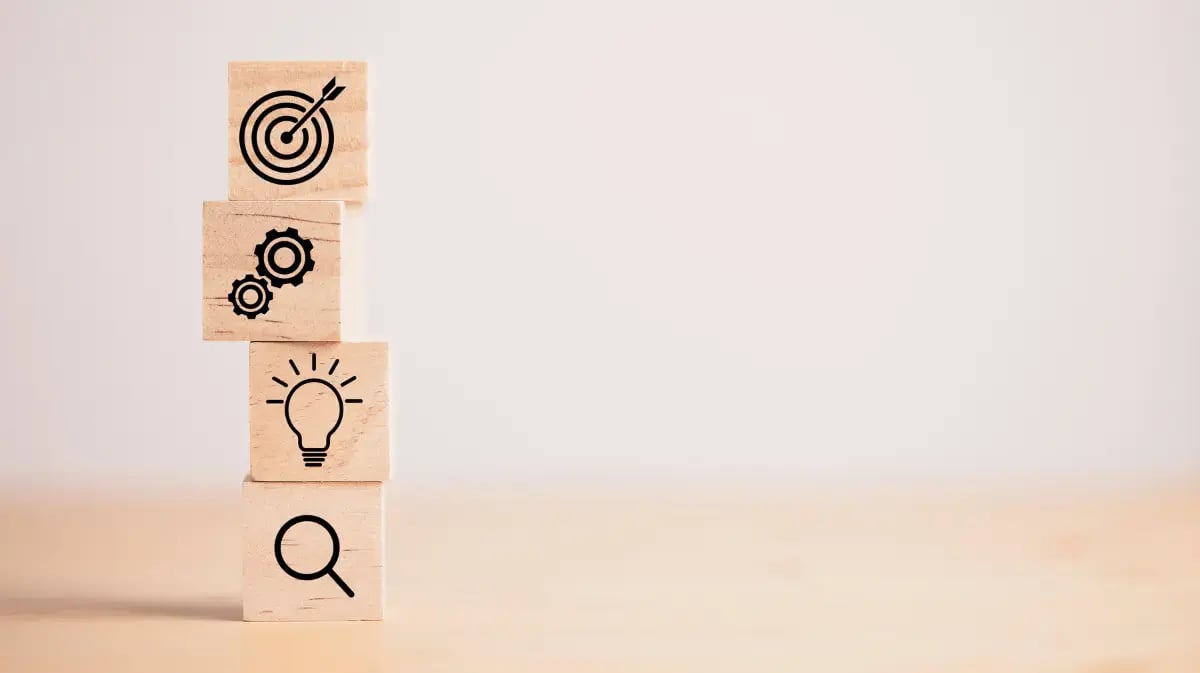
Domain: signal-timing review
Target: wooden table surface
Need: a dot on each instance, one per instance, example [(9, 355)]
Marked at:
[(757, 579)]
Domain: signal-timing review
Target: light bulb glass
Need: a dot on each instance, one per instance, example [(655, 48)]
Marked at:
[(314, 411)]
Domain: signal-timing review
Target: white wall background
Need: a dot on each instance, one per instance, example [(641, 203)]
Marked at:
[(637, 239)]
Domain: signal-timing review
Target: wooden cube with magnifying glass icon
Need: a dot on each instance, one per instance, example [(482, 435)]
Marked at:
[(312, 551), (281, 270), (319, 411)]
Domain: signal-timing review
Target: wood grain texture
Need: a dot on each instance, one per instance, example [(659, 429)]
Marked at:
[(306, 312), (344, 176), (354, 272), (665, 578), (355, 512), (319, 412)]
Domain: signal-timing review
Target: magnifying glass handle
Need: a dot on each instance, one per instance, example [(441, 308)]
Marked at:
[(340, 583)]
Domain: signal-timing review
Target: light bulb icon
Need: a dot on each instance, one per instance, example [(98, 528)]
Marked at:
[(313, 409)]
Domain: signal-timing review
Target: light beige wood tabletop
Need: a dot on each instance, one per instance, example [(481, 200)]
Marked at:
[(718, 579)]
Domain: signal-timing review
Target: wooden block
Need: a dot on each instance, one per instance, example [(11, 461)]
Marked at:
[(354, 272), (298, 130), (272, 270), (312, 551), (319, 412)]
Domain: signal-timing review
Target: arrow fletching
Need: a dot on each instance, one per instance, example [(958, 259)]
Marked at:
[(331, 90)]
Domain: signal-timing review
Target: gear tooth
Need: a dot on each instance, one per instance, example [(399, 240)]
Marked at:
[(291, 231), (262, 270)]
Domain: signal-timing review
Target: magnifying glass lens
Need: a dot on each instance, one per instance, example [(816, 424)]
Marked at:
[(306, 548), (282, 541)]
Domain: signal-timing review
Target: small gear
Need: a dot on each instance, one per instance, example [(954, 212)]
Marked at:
[(250, 297), (291, 271)]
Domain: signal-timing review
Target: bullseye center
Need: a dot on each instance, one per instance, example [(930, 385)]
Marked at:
[(286, 137)]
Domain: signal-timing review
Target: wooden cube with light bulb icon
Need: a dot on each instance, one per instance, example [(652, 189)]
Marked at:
[(312, 551), (319, 411)]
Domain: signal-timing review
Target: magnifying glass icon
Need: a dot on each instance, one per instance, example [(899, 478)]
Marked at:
[(333, 557)]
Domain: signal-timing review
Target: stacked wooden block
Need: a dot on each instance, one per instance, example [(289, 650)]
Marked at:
[(282, 259)]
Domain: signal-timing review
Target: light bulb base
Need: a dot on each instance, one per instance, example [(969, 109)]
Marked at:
[(313, 458)]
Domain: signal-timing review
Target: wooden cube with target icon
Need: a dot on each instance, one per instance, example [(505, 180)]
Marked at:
[(319, 411), (275, 271), (312, 551), (298, 130)]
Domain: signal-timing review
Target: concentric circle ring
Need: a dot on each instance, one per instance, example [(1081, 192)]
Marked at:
[(299, 258), (276, 159), (259, 297), (270, 134), (285, 163)]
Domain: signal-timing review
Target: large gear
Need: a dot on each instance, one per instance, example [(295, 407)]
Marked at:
[(292, 272), (250, 297)]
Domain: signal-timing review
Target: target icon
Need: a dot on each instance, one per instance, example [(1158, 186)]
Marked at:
[(286, 137)]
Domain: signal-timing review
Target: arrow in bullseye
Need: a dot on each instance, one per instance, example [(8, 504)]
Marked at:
[(328, 93)]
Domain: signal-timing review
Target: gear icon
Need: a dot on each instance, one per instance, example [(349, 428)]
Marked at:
[(284, 257), (250, 297)]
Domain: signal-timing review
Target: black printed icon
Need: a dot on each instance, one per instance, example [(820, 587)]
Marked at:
[(250, 297), (327, 569), (284, 258), (286, 137), (313, 409)]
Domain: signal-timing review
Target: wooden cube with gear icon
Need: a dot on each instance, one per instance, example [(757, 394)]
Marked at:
[(312, 551), (319, 412), (273, 271), (298, 130)]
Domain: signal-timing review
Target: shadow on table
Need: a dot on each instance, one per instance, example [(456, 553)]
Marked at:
[(13, 604)]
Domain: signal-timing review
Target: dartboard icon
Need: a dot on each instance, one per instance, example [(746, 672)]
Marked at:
[(286, 137)]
